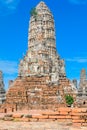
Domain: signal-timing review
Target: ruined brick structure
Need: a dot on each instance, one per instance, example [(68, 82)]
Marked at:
[(2, 90), (34, 93), (74, 81), (82, 90), (71, 116), (42, 57), (42, 81)]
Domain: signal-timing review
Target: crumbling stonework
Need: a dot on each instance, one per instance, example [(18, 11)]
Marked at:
[(2, 90), (74, 81), (82, 90), (34, 93), (68, 116), (42, 82), (42, 57)]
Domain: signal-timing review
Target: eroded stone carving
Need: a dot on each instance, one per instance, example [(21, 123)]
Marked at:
[(42, 57)]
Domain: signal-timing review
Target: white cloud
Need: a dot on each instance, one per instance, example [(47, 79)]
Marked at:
[(78, 1), (11, 4), (8, 6), (77, 59), (8, 67)]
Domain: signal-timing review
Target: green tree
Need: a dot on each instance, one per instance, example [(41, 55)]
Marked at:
[(33, 13), (69, 100)]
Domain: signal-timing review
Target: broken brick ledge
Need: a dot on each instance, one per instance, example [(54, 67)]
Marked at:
[(71, 115)]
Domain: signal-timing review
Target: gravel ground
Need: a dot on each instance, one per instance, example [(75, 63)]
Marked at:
[(9, 125)]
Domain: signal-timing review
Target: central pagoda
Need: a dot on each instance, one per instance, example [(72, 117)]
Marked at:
[(42, 58), (41, 82)]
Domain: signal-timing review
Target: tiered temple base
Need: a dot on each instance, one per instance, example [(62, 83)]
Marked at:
[(36, 93)]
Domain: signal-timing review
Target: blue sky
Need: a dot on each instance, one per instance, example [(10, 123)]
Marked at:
[(71, 34)]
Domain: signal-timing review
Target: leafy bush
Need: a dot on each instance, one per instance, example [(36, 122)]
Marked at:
[(69, 100), (33, 12)]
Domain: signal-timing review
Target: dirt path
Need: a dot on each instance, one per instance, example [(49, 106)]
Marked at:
[(9, 125)]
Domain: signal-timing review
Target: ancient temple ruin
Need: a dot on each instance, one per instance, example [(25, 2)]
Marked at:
[(42, 81), (82, 90), (42, 57), (2, 90)]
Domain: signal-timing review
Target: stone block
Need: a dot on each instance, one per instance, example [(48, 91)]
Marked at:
[(75, 117), (33, 119), (68, 117), (61, 117), (78, 121), (64, 113), (17, 115), (53, 117), (40, 116), (50, 113), (76, 110), (8, 115), (8, 119), (78, 114), (65, 109)]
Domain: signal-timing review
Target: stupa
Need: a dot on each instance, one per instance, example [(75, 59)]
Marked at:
[(42, 81), (42, 57)]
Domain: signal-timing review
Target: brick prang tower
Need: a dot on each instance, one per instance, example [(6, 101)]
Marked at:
[(42, 58)]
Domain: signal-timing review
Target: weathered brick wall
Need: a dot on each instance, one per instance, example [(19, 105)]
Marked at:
[(7, 107), (35, 93), (77, 116)]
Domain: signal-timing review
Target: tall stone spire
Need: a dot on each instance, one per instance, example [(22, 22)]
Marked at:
[(82, 90), (2, 90), (83, 78), (42, 28), (42, 57)]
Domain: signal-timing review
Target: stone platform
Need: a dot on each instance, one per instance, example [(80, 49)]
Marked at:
[(72, 116)]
